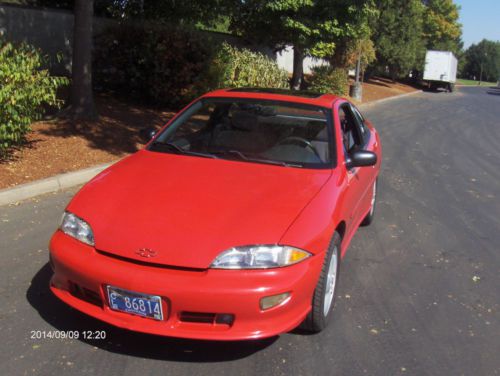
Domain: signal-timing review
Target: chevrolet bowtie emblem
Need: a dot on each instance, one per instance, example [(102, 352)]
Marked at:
[(146, 252)]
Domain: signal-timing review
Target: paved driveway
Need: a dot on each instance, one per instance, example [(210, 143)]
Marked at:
[(419, 289)]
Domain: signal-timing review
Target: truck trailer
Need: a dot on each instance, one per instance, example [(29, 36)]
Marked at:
[(440, 70)]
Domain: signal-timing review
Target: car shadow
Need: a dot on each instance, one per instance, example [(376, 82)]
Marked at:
[(64, 318)]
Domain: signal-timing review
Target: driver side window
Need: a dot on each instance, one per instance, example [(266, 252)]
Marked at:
[(349, 128)]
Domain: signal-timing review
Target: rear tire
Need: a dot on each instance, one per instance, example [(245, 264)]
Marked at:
[(324, 294), (369, 217)]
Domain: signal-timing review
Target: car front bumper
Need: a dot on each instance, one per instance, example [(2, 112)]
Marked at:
[(204, 292)]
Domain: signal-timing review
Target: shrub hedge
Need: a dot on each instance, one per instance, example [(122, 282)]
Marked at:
[(233, 67), (326, 79), (25, 88)]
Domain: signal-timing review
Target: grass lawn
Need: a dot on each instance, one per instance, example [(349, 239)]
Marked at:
[(461, 81)]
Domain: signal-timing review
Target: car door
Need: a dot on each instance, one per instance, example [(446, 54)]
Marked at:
[(354, 136)]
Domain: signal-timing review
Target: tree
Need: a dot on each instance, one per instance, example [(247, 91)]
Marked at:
[(356, 40), (362, 50), (482, 61), (398, 36), (101, 7), (441, 28), (169, 11), (311, 27), (82, 100)]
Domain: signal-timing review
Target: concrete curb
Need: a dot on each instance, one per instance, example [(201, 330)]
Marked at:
[(52, 184), (388, 99)]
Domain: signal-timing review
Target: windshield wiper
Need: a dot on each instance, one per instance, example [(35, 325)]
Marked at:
[(274, 162), (170, 145), (248, 158), (177, 148), (236, 153)]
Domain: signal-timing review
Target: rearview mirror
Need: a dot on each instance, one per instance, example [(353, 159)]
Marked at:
[(147, 133), (361, 158)]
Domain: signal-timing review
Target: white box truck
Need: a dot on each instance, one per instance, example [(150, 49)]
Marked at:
[(440, 70)]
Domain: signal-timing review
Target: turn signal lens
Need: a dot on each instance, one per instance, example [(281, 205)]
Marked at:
[(273, 300), (297, 255)]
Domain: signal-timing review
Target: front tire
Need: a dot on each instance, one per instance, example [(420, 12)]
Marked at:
[(324, 294)]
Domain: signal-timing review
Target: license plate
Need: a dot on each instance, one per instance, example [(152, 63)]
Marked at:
[(135, 303)]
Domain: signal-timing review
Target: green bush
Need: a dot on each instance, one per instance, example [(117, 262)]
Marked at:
[(329, 80), (156, 64), (25, 89), (233, 67)]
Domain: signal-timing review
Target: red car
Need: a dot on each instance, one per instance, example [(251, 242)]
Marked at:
[(230, 224)]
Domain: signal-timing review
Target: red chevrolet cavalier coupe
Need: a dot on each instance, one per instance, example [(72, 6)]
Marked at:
[(230, 224)]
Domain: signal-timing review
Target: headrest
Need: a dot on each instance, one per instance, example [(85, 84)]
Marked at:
[(319, 129), (244, 120)]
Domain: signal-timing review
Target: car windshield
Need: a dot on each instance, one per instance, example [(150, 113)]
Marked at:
[(256, 131)]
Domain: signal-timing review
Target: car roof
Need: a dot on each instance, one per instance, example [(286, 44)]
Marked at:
[(284, 95)]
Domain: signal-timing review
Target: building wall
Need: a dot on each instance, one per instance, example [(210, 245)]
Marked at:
[(284, 59), (49, 30)]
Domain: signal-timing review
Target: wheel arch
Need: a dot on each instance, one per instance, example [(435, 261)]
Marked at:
[(340, 228)]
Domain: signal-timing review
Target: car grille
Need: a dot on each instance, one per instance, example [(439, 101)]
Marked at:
[(85, 294), (207, 318)]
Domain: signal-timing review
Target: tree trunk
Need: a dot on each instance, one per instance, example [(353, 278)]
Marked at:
[(339, 58), (358, 67), (82, 100), (298, 68), (393, 73)]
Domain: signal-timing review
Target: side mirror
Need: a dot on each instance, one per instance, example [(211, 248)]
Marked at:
[(361, 158), (147, 133)]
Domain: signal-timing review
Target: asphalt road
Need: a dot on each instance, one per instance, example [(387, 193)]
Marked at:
[(419, 289)]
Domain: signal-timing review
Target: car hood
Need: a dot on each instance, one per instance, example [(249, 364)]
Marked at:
[(189, 209)]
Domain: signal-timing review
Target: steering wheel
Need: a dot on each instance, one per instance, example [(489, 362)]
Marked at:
[(301, 141)]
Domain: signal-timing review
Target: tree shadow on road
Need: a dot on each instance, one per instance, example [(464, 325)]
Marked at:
[(64, 318), (380, 81)]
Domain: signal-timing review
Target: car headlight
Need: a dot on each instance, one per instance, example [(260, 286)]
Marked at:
[(259, 257), (77, 228)]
